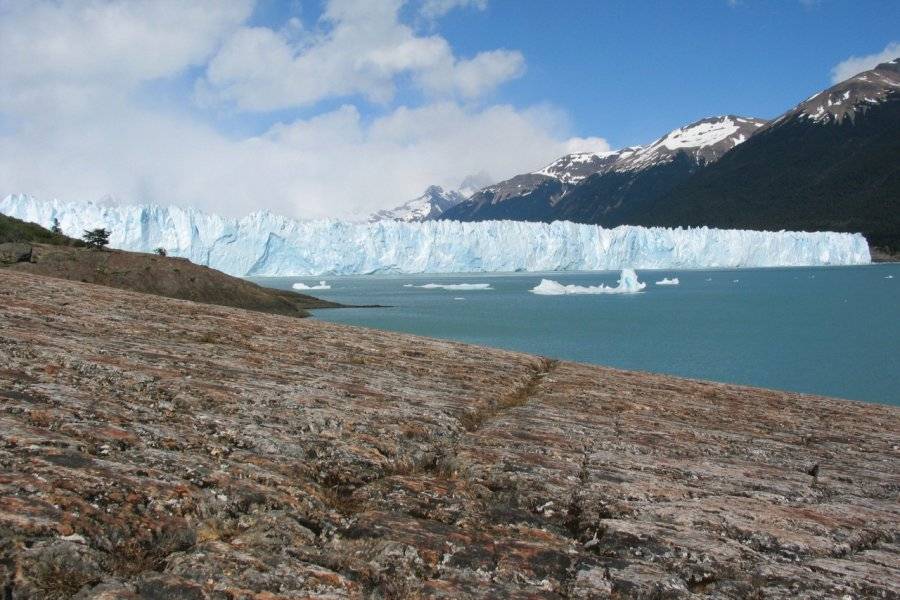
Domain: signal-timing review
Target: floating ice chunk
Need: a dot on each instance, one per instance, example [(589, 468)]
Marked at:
[(628, 284), (302, 286), (889, 277), (408, 285), (459, 298), (667, 281), (735, 281), (456, 286)]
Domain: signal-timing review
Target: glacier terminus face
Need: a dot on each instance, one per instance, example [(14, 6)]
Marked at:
[(263, 244)]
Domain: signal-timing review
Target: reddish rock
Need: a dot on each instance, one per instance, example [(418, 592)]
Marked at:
[(157, 448)]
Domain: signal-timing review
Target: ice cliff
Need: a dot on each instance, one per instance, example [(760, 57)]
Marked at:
[(263, 244)]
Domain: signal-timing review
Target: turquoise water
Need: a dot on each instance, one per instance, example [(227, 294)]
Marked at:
[(825, 330)]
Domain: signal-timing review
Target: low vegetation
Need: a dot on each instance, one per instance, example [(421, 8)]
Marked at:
[(16, 230)]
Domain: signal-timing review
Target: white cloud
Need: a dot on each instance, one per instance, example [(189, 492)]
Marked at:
[(589, 144), (331, 165), (857, 64), (433, 9), (69, 54), (363, 52), (75, 124)]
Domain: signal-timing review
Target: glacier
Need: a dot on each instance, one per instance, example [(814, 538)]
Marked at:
[(265, 244)]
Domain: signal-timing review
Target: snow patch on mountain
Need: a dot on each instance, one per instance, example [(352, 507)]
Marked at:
[(263, 244), (429, 205), (849, 97), (704, 141)]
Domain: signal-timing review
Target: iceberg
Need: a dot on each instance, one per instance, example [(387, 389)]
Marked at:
[(264, 244), (628, 284), (456, 286), (302, 286), (667, 281)]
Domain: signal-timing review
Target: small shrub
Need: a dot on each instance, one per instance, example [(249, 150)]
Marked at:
[(161, 251)]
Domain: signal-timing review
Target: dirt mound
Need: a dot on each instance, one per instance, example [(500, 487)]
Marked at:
[(162, 276)]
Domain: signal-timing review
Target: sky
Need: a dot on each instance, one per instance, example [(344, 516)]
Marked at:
[(337, 108)]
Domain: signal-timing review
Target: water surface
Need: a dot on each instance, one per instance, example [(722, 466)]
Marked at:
[(824, 330)]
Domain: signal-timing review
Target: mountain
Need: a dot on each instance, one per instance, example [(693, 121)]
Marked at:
[(626, 177), (428, 206), (830, 163), (263, 244)]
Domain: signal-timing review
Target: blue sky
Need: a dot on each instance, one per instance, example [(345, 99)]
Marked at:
[(336, 108), (630, 71)]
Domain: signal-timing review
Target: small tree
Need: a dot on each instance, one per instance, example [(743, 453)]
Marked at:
[(161, 251), (55, 228), (96, 238)]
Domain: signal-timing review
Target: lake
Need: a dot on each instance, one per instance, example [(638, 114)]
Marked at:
[(824, 330)]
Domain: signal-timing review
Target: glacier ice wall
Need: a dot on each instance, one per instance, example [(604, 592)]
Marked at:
[(263, 244)]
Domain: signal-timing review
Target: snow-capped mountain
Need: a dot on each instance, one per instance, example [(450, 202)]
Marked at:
[(573, 168), (535, 196), (265, 244), (850, 97), (829, 163), (429, 205), (704, 141)]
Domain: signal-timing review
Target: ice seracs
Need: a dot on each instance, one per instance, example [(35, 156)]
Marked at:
[(263, 244)]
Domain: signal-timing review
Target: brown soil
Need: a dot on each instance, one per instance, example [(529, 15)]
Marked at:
[(164, 276)]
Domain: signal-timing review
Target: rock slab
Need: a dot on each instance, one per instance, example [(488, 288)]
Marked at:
[(159, 448)]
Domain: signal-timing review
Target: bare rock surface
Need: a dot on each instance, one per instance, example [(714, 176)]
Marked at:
[(158, 448)]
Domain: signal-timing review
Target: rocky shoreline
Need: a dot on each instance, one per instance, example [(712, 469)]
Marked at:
[(160, 448)]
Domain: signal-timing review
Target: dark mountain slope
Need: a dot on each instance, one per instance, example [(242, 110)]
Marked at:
[(801, 174), (619, 198), (606, 187)]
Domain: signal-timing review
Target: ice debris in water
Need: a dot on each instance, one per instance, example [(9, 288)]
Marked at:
[(628, 284), (456, 286), (667, 281), (302, 286)]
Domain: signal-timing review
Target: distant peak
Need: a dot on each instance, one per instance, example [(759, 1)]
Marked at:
[(850, 97)]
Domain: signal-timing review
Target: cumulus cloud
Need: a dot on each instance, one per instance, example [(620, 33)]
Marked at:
[(331, 165), (70, 54), (857, 64), (588, 144), (76, 122), (433, 9), (364, 49)]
